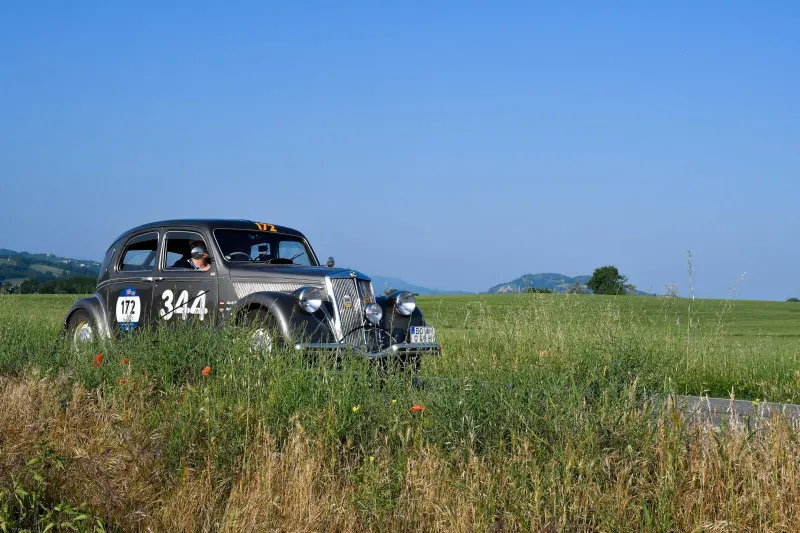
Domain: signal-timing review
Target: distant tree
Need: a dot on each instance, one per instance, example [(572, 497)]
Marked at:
[(576, 288), (47, 287), (608, 280), (534, 290), (29, 286), (78, 285), (793, 300)]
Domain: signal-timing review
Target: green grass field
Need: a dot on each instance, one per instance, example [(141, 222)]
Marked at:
[(48, 269), (544, 413), (704, 346)]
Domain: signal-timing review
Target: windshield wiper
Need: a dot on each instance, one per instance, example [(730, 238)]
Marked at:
[(290, 259)]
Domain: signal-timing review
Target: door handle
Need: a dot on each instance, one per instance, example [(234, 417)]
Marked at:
[(151, 278)]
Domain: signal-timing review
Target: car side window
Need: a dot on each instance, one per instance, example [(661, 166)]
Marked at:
[(178, 247), (139, 254)]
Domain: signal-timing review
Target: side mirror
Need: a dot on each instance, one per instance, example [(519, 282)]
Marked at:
[(197, 252), (331, 262)]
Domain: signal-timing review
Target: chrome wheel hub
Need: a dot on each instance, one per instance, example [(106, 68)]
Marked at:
[(261, 341), (83, 333)]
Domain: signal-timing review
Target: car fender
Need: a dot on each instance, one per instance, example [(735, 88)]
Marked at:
[(395, 323), (294, 324), (96, 308)]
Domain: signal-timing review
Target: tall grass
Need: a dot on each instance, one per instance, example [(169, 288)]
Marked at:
[(546, 415)]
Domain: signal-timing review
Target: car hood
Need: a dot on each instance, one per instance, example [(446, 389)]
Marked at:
[(289, 273)]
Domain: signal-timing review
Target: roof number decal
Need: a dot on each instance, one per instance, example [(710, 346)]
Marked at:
[(266, 227)]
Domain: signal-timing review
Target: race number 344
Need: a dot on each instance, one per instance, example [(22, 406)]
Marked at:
[(182, 306)]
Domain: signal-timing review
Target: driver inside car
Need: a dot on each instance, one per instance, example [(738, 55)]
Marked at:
[(198, 258)]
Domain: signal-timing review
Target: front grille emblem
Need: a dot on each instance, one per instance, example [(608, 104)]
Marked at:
[(353, 274), (347, 301)]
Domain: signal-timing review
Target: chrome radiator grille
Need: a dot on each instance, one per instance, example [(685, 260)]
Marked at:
[(350, 297)]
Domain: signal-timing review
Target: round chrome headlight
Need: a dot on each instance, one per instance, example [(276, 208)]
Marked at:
[(374, 313), (309, 298), (405, 303)]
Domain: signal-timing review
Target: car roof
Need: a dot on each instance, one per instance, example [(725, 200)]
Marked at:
[(212, 224)]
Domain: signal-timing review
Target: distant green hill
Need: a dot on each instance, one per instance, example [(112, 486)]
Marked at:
[(21, 266), (553, 282), (383, 283)]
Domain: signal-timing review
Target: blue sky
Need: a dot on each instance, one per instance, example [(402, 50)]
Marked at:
[(453, 144)]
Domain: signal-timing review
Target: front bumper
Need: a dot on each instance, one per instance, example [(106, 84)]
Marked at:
[(395, 350)]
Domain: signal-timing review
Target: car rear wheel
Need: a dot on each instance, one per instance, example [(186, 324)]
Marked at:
[(80, 329)]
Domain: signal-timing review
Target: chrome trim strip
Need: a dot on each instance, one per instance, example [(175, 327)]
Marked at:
[(345, 274), (246, 288), (106, 283)]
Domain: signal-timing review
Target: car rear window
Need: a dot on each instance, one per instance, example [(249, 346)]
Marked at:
[(139, 253)]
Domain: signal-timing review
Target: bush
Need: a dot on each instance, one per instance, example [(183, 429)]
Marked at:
[(608, 280)]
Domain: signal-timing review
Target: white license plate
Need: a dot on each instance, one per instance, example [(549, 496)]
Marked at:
[(423, 334)]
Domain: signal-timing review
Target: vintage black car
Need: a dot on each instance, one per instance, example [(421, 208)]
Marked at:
[(218, 271)]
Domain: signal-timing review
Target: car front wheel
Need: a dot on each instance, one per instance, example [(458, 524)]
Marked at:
[(262, 332)]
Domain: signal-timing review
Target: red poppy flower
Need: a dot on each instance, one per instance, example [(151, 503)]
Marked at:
[(98, 360), (206, 370), (417, 408)]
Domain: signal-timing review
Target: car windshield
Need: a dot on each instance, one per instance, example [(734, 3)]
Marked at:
[(263, 247)]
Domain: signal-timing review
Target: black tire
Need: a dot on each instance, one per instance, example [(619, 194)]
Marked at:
[(81, 329)]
